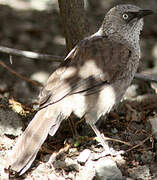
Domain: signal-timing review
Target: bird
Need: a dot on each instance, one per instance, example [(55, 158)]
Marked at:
[(90, 82)]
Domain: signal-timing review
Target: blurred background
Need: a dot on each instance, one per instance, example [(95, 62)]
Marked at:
[(35, 25)]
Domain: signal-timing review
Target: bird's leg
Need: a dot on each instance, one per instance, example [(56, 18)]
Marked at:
[(102, 139)]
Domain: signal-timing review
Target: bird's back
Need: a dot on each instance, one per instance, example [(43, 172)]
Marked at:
[(95, 61)]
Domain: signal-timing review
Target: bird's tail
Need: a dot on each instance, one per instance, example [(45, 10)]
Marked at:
[(30, 141)]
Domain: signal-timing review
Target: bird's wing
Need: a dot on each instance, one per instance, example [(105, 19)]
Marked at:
[(86, 69)]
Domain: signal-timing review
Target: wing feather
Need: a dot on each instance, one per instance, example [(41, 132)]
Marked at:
[(86, 69)]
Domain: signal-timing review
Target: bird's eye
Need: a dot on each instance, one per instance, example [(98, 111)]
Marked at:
[(125, 16)]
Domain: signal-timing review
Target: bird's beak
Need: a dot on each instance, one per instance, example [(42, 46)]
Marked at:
[(141, 13)]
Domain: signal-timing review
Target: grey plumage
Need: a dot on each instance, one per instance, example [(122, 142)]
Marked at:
[(92, 79)]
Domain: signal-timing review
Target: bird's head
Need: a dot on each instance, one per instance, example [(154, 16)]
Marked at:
[(124, 20)]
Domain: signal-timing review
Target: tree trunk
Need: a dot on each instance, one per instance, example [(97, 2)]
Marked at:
[(74, 21)]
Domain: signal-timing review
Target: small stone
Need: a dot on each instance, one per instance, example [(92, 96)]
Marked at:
[(86, 172), (59, 164), (83, 157), (96, 156), (71, 165), (69, 161), (107, 169)]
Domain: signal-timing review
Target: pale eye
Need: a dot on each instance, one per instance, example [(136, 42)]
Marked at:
[(125, 16)]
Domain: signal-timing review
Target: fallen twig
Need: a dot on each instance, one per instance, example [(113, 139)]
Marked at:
[(145, 77), (140, 144), (29, 54), (116, 140), (19, 75)]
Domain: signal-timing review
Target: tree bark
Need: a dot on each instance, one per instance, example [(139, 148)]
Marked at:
[(74, 21)]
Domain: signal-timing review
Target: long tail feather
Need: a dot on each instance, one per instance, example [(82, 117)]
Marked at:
[(30, 141)]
